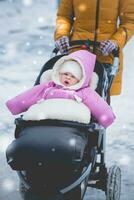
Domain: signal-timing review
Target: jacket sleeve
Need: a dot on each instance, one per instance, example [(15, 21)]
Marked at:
[(64, 19), (99, 108), (23, 101), (126, 23)]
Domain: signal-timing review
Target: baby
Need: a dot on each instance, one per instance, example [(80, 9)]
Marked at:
[(67, 78), (71, 78)]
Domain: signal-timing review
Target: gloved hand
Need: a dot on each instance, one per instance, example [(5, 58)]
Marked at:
[(62, 44), (107, 46)]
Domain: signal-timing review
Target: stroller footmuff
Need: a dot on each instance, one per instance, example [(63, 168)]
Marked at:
[(52, 156)]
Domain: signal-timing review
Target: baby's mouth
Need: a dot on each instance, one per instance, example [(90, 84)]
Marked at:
[(66, 83)]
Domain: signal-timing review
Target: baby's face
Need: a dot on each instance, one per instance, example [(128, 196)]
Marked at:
[(68, 79)]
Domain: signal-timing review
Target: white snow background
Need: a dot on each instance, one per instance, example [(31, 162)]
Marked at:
[(26, 42)]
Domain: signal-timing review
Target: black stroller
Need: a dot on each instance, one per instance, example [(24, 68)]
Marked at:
[(49, 167)]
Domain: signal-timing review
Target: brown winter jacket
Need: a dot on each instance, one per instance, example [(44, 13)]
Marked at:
[(76, 19)]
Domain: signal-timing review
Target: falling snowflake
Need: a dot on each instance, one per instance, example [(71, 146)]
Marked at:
[(41, 37), (40, 52), (3, 51), (4, 142), (72, 142), (27, 43), (27, 2), (124, 160), (8, 185), (53, 149), (124, 126), (35, 62), (41, 19)]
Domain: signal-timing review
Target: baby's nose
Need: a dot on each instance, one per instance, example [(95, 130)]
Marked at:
[(68, 77)]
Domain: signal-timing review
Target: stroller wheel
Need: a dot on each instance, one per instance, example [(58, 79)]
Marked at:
[(113, 185)]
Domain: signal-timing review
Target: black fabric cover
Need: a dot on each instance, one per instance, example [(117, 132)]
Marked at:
[(40, 146)]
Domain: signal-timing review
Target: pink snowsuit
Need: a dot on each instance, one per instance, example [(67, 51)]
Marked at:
[(52, 90)]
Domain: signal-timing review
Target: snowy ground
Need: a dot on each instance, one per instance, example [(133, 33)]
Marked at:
[(26, 43)]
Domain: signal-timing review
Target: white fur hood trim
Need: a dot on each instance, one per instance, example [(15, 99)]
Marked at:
[(47, 76), (56, 69)]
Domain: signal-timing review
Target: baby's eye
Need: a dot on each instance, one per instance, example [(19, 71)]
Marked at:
[(66, 74), (73, 76)]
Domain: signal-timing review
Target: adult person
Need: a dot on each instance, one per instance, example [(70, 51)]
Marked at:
[(110, 22)]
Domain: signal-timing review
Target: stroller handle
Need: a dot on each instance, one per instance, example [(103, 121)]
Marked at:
[(85, 44)]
